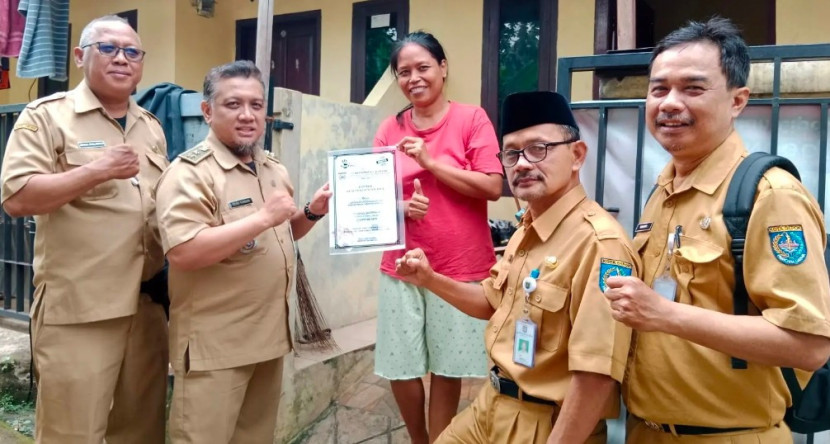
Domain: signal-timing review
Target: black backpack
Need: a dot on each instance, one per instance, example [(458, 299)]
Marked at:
[(810, 412)]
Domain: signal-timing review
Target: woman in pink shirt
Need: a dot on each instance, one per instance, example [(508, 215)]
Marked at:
[(447, 152)]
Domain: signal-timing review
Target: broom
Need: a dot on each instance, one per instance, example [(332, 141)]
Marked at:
[(314, 332)]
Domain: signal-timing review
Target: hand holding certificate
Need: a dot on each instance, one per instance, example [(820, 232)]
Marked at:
[(366, 215)]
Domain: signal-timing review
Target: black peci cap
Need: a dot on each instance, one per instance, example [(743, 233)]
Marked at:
[(526, 109)]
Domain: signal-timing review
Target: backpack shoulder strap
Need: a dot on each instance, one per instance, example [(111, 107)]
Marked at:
[(737, 208), (792, 383)]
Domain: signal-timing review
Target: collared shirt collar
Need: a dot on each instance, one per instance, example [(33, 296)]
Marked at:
[(711, 173), (226, 158), (86, 100), (545, 225)]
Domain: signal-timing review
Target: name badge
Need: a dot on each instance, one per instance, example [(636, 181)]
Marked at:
[(241, 202), (524, 343), (643, 227), (92, 144)]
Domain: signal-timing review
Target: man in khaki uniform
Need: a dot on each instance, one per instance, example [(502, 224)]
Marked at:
[(562, 253), (681, 386), (228, 223), (83, 163)]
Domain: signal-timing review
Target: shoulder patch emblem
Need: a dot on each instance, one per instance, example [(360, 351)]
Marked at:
[(196, 155), (26, 126), (787, 242), (612, 267)]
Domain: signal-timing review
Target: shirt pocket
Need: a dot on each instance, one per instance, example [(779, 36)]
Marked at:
[(74, 157), (696, 267), (547, 311), (254, 247), (157, 161), (640, 242)]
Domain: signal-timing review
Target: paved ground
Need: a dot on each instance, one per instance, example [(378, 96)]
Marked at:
[(9, 436), (367, 413)]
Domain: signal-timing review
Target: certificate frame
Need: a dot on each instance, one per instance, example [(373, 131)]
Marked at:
[(366, 206)]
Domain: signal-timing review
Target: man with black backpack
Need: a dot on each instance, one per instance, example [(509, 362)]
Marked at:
[(712, 345)]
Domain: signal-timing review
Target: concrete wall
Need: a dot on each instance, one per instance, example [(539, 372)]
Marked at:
[(182, 45), (801, 21), (576, 38), (346, 285), (202, 43)]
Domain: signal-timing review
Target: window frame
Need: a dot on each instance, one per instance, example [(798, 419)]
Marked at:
[(360, 11), (548, 31)]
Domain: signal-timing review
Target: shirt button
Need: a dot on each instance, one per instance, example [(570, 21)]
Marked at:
[(669, 203), (591, 213), (538, 298), (495, 329), (510, 292), (521, 253)]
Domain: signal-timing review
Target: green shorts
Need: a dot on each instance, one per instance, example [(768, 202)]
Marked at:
[(418, 333)]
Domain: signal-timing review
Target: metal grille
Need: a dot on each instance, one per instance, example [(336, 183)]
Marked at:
[(17, 234), (796, 128)]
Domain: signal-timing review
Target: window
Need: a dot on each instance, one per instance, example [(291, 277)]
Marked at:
[(656, 18), (376, 26), (519, 50)]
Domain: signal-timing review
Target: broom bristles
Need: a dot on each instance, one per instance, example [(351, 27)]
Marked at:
[(315, 332)]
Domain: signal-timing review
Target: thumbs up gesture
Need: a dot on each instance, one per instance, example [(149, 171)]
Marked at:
[(416, 207)]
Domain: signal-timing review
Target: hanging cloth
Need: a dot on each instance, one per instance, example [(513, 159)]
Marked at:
[(11, 28), (45, 39)]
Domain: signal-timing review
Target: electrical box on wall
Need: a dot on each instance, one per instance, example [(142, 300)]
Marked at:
[(204, 7)]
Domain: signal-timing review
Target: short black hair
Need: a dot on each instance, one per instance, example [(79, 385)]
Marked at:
[(240, 68), (734, 54)]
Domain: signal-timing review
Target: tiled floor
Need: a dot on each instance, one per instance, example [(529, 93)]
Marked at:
[(367, 413)]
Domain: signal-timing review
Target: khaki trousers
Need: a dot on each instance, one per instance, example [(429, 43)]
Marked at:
[(498, 419), (236, 405), (98, 380), (637, 432)]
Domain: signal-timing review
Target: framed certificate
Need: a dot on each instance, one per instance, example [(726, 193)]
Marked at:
[(366, 206)]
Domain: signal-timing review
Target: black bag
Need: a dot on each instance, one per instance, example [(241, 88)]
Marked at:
[(156, 287), (501, 231), (810, 412)]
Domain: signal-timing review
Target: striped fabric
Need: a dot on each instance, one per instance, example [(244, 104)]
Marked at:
[(45, 39)]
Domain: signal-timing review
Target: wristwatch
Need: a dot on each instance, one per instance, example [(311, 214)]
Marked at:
[(311, 216)]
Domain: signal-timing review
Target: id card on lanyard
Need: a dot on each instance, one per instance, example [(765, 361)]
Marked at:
[(524, 338), (665, 284)]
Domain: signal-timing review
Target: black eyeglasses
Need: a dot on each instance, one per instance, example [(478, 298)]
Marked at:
[(532, 153), (131, 53)]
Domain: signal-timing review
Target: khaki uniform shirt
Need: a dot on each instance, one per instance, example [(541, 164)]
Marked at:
[(234, 312), (575, 330), (674, 381), (91, 254)]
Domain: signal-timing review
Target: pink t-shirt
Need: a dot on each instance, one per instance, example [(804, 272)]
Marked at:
[(454, 234)]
